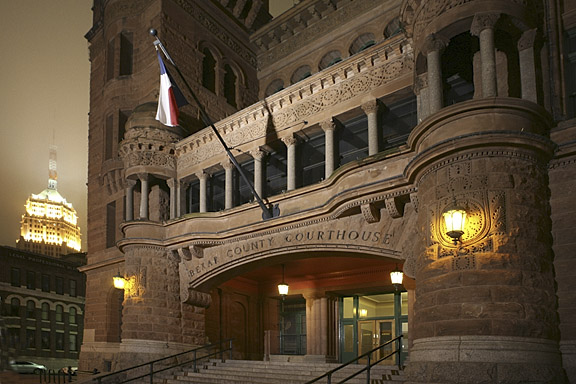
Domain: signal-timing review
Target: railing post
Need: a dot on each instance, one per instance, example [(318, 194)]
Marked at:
[(368, 369), (230, 357), (152, 372), (399, 349), (195, 369), (330, 378)]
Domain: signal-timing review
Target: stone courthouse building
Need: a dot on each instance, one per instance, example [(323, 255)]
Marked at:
[(359, 123)]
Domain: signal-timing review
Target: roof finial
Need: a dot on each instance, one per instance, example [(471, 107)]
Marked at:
[(52, 173)]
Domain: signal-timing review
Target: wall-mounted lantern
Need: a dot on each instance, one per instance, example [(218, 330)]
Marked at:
[(283, 287), (455, 219)]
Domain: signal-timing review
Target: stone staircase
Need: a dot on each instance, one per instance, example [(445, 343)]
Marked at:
[(275, 372)]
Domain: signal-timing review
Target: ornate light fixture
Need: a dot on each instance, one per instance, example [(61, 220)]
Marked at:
[(455, 219), (119, 281), (396, 276), (283, 287)]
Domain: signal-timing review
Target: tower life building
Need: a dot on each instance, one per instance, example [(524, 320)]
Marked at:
[(364, 123), (50, 225)]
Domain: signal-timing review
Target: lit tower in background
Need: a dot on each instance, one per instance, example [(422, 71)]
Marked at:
[(50, 225)]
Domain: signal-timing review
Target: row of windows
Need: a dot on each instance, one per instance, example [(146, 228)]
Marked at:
[(31, 312), (41, 339), (46, 282)]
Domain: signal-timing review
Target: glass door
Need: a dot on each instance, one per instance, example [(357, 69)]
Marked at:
[(371, 334)]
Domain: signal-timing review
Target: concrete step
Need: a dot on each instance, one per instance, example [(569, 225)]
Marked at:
[(261, 372)]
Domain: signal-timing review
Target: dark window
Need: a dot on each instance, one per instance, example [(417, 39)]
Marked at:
[(193, 197), (30, 309), (361, 43), (45, 283), (14, 338), (126, 53), (30, 280), (59, 314), (59, 285), (122, 120), (353, 139), (570, 72), (59, 341), (330, 59), (45, 311), (111, 224), (73, 342), (275, 170), (208, 70), (15, 277), (72, 315), (242, 190), (457, 68), (300, 74), (216, 191), (110, 60), (14, 307), (109, 139), (45, 339), (31, 338), (230, 85), (311, 153), (398, 119), (72, 291), (275, 86)]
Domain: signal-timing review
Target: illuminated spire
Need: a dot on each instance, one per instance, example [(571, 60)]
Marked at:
[(52, 173)]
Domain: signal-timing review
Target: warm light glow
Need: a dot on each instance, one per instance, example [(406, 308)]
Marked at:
[(283, 289), (119, 281), (363, 312), (455, 219), (396, 276)]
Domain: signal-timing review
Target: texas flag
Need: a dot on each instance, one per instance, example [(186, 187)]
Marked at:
[(170, 98)]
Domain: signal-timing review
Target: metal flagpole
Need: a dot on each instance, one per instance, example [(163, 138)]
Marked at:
[(266, 214)]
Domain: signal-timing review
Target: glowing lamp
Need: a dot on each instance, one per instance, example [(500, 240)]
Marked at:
[(396, 276), (283, 287), (363, 312), (455, 219), (119, 281)]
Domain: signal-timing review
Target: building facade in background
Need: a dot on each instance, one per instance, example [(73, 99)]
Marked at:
[(42, 307), (50, 225), (359, 123)]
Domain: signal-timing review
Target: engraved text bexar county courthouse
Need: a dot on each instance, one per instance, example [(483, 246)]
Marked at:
[(362, 122)]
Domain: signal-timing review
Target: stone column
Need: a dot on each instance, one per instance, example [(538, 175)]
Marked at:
[(144, 198), (291, 142), (258, 156), (483, 27), (328, 126), (229, 184), (371, 110), (181, 198), (421, 91), (433, 47), (316, 326), (203, 177), (173, 185), (527, 65), (130, 184)]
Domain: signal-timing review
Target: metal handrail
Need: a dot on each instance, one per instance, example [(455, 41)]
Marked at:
[(368, 366), (152, 371)]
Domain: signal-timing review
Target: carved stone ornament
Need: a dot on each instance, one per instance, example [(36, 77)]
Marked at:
[(197, 298), (483, 21), (371, 213)]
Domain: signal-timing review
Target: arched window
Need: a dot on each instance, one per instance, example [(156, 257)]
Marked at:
[(15, 307), (394, 27), (458, 68), (59, 314), (362, 42), (30, 307), (45, 311), (72, 315), (208, 70), (230, 85), (275, 86), (329, 59), (300, 74)]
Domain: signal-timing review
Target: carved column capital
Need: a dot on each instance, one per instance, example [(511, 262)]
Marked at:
[(434, 43), (202, 175), (130, 183), (227, 165), (258, 154), (371, 106), (290, 140), (527, 39), (328, 125), (483, 21)]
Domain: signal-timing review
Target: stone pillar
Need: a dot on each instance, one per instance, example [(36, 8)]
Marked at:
[(130, 184), (433, 47), (229, 184), (203, 177), (173, 184), (258, 156), (421, 91), (291, 142), (527, 65), (483, 27), (181, 198), (328, 126), (316, 326), (371, 110), (144, 195), (485, 308)]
